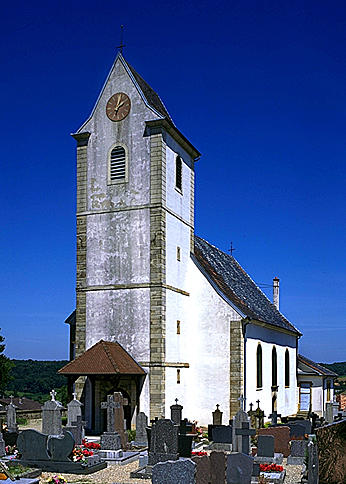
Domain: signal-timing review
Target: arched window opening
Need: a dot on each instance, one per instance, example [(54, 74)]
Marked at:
[(259, 366), (117, 165), (178, 173), (287, 368), (274, 368)]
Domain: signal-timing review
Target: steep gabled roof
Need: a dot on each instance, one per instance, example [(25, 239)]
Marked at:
[(153, 99), (104, 358), (237, 285), (316, 366)]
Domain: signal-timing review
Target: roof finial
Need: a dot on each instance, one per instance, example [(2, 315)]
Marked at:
[(120, 47), (232, 249)]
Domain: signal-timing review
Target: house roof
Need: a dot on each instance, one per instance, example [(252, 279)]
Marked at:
[(316, 366), (237, 286), (22, 403), (104, 358)]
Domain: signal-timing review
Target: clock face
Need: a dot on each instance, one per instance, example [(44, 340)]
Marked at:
[(118, 106)]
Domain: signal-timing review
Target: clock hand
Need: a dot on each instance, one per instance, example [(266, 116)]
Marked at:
[(118, 102), (119, 106)]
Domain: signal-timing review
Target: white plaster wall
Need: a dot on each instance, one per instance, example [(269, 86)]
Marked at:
[(204, 343), (286, 397), (177, 234), (118, 248), (177, 201)]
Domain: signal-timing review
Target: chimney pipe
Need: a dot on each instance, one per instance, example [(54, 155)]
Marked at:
[(276, 292)]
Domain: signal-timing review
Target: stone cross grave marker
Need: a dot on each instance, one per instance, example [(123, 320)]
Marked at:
[(217, 416), (245, 432), (11, 419), (237, 440), (176, 412), (110, 406), (164, 442), (115, 419), (274, 418), (51, 416), (2, 446), (74, 410)]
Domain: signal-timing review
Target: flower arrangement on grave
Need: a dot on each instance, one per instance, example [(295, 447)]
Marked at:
[(80, 455), (270, 468), (200, 453), (12, 451), (57, 479), (90, 445)]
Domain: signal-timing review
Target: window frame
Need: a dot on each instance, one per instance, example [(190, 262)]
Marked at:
[(274, 367), (287, 368), (179, 189), (259, 367)]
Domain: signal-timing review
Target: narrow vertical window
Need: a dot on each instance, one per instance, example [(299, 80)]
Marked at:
[(178, 327), (178, 254), (117, 165), (259, 366), (178, 173), (287, 368), (178, 376), (274, 368)]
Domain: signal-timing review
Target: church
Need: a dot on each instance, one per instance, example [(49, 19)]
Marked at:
[(160, 312)]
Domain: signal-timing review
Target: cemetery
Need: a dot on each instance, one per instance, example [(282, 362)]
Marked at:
[(249, 449)]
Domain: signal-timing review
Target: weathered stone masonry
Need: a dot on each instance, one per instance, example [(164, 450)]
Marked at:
[(236, 365), (157, 275), (82, 169)]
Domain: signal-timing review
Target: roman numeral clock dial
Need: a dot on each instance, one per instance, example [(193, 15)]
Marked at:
[(118, 106)]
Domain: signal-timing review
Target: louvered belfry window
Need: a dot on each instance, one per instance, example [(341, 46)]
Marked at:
[(118, 164)]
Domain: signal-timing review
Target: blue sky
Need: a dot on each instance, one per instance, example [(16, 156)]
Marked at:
[(258, 88)]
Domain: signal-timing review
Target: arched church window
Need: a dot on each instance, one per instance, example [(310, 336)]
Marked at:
[(118, 165), (274, 368), (287, 368), (259, 366), (178, 173)]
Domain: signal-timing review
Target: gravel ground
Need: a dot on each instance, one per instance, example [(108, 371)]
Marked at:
[(121, 474)]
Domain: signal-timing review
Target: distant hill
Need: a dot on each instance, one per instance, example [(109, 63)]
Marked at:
[(35, 379), (339, 367)]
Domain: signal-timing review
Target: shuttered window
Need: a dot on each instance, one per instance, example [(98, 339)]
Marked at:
[(178, 173), (118, 164)]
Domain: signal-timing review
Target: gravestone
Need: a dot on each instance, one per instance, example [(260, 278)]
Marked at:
[(274, 418), (2, 446), (51, 453), (239, 468), (329, 413), (222, 434), (305, 423), (184, 445), (245, 432), (77, 430), (298, 451), (217, 416), (164, 442), (185, 427), (114, 438), (74, 410), (331, 441), (203, 469), (176, 412), (281, 438), (265, 446), (238, 420), (256, 416), (51, 416), (11, 419), (218, 467), (313, 477), (141, 433), (179, 472), (297, 431)]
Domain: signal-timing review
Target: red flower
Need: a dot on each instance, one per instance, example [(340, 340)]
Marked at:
[(271, 468)]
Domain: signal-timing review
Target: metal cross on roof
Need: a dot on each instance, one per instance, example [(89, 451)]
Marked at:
[(232, 249), (122, 45)]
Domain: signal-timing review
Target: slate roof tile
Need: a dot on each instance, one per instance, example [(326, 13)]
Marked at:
[(238, 286), (316, 366)]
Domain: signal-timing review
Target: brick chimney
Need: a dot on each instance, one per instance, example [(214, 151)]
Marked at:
[(276, 292)]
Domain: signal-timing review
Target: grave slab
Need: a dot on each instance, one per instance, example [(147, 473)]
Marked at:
[(218, 467), (281, 438), (239, 468), (203, 469), (174, 472)]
